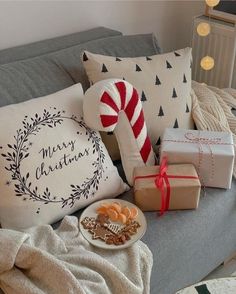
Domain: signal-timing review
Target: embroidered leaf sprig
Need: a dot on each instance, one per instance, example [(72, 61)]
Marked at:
[(19, 151)]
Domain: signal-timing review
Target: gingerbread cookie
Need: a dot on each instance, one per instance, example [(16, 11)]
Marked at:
[(115, 229), (131, 228), (99, 232), (88, 223)]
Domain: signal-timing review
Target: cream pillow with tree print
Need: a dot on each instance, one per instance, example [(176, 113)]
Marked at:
[(163, 82), (51, 163)]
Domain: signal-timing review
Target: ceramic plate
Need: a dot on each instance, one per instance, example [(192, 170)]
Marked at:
[(90, 211)]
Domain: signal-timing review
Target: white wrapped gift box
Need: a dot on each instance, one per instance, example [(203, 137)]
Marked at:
[(212, 153)]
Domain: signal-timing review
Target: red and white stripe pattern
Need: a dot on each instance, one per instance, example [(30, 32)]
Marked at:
[(114, 105), (122, 96)]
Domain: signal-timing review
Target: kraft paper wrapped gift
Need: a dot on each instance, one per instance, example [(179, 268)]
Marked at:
[(184, 184), (212, 154)]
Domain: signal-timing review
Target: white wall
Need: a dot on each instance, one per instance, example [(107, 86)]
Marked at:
[(28, 21)]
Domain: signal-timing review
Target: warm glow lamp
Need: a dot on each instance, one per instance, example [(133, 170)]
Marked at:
[(207, 63), (203, 29), (212, 3)]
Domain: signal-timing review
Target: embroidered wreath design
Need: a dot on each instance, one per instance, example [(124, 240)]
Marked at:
[(20, 151)]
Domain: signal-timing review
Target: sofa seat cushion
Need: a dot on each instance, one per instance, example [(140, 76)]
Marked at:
[(188, 245)]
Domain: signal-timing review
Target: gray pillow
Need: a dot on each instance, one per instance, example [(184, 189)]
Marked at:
[(46, 74)]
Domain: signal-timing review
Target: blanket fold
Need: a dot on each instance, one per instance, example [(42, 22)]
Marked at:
[(212, 109), (43, 260)]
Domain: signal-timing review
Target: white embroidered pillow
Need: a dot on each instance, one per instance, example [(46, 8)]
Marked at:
[(163, 82), (51, 163)]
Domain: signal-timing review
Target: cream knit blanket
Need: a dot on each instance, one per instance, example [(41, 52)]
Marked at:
[(212, 109), (43, 261)]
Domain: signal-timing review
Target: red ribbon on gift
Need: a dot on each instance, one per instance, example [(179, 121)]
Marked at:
[(201, 141), (162, 183)]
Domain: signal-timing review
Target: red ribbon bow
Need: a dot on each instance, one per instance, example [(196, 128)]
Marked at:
[(161, 181)]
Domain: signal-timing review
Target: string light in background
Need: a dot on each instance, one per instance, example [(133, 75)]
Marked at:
[(212, 3), (207, 63), (203, 30)]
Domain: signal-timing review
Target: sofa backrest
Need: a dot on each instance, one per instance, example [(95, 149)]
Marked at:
[(54, 44), (45, 67)]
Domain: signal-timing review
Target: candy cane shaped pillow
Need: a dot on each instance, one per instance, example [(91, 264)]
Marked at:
[(114, 105)]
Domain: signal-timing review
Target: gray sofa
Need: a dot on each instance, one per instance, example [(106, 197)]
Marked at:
[(186, 245)]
